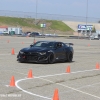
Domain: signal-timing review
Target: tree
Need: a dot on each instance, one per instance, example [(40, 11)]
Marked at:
[(93, 30)]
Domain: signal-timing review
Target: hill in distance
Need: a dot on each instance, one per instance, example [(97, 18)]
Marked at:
[(29, 24)]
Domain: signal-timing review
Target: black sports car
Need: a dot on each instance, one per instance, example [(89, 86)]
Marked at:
[(46, 51)]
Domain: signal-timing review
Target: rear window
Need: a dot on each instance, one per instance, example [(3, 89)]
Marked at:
[(35, 33)]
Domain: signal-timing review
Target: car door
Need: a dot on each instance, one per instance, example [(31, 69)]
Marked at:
[(60, 51)]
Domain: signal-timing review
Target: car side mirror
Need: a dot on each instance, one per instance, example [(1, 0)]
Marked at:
[(31, 45)]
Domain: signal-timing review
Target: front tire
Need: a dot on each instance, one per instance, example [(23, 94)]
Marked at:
[(51, 58)]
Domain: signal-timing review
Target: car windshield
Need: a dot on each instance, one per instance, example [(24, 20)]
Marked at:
[(44, 44)]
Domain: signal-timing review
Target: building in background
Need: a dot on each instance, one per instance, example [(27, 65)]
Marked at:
[(10, 30), (83, 28), (3, 29)]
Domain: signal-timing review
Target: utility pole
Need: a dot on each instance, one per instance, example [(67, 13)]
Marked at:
[(86, 15), (36, 12)]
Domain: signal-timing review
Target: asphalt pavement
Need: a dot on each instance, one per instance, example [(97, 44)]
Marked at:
[(81, 83)]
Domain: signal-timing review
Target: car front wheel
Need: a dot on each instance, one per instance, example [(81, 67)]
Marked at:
[(51, 58)]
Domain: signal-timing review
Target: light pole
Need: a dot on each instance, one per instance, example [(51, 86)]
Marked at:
[(35, 19), (36, 11), (86, 15)]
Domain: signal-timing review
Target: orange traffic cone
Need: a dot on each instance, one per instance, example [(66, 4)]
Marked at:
[(30, 74), (97, 66), (8, 41), (56, 96), (27, 36), (34, 41), (13, 51), (12, 82), (88, 45), (22, 42), (68, 69)]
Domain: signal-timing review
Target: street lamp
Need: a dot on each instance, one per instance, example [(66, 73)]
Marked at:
[(36, 11), (86, 14), (36, 17)]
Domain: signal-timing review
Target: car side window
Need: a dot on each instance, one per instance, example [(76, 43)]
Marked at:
[(59, 45), (63, 44), (43, 44)]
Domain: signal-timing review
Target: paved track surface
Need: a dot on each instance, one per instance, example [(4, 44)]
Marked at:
[(82, 83)]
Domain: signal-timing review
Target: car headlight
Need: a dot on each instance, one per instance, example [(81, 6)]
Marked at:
[(21, 52), (42, 53)]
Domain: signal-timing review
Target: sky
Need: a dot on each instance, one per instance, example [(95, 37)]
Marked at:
[(60, 7)]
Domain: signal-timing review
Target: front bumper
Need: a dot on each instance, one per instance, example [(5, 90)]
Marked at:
[(32, 58)]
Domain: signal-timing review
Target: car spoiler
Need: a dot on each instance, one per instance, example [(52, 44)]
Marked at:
[(69, 44)]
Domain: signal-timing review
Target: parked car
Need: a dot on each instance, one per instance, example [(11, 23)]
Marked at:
[(33, 34), (51, 35), (46, 51), (95, 36)]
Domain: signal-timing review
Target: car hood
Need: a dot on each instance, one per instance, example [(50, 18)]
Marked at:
[(34, 49)]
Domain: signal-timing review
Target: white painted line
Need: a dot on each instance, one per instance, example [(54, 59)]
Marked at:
[(73, 89), (76, 88), (7, 85), (41, 77), (67, 73), (88, 85), (79, 91), (16, 83)]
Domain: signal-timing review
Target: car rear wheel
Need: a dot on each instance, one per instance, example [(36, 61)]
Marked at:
[(70, 57), (51, 58)]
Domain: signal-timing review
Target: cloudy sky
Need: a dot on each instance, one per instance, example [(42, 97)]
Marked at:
[(61, 7)]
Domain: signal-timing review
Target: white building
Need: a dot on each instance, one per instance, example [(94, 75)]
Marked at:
[(3, 29), (10, 30)]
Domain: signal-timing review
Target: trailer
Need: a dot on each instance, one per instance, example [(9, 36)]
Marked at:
[(14, 30), (10, 30)]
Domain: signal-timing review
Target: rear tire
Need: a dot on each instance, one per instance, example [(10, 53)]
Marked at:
[(51, 58), (69, 57)]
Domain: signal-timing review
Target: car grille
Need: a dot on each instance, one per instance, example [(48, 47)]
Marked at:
[(30, 53), (31, 56)]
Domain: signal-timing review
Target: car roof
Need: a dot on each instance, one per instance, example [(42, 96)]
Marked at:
[(57, 42), (50, 41), (34, 32)]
